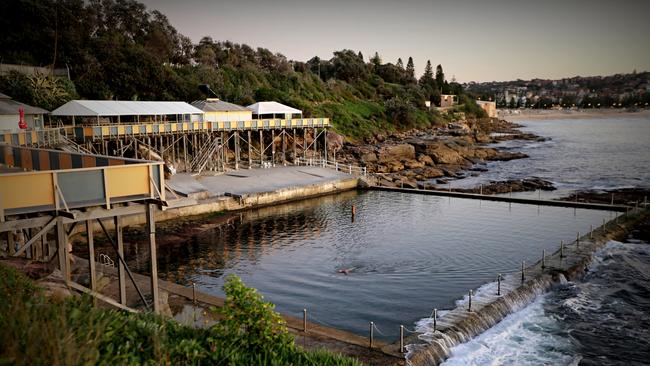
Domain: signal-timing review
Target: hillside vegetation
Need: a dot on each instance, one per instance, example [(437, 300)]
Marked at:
[(118, 49)]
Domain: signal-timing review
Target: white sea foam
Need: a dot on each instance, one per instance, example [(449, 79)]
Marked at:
[(526, 337), (530, 336)]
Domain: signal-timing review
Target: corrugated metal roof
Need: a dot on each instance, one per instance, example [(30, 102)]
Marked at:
[(123, 108), (9, 106), (215, 105), (272, 108)]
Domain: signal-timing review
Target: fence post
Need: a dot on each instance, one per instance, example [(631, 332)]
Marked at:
[(372, 333), (543, 258), (193, 292), (350, 167), (401, 339), (435, 319), (304, 320), (523, 271), (469, 306), (499, 284), (561, 248)]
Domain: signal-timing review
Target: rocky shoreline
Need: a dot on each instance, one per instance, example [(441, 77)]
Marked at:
[(623, 196), (429, 158)]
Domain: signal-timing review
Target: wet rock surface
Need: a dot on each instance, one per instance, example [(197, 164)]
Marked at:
[(514, 185), (415, 158), (624, 196)]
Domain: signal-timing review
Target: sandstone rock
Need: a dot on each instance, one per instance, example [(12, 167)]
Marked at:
[(413, 164), (430, 172), (395, 166), (514, 185), (382, 169), (507, 155), (396, 152), (369, 157), (439, 152), (426, 159)]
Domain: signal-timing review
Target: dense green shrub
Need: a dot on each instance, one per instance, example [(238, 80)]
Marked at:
[(41, 331)]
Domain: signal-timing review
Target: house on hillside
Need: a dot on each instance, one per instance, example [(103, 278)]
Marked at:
[(10, 115), (216, 110), (448, 100), (489, 107), (273, 110)]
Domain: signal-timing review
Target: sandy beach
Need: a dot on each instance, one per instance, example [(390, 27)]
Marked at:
[(527, 114)]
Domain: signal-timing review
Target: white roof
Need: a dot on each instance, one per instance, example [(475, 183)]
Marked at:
[(272, 108), (123, 108)]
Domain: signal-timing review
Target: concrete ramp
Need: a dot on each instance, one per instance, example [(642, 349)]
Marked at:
[(246, 182)]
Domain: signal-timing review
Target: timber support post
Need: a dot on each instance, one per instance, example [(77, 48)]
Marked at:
[(272, 147), (91, 257), (62, 243), (237, 150), (250, 151), (295, 152), (261, 147), (117, 221), (151, 229)]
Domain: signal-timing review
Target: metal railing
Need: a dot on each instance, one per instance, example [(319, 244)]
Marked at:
[(339, 167), (36, 137), (113, 130)]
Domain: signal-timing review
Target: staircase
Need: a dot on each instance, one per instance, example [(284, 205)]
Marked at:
[(204, 155), (68, 145)]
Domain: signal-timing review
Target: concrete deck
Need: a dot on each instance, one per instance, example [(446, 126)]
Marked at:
[(252, 181)]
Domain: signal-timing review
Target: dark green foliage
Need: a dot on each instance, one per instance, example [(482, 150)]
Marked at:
[(410, 70), (116, 49), (469, 106), (39, 90), (440, 76), (428, 83), (250, 322), (40, 331)]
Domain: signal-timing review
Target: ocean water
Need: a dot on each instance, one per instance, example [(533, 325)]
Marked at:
[(603, 319), (404, 254), (580, 154)]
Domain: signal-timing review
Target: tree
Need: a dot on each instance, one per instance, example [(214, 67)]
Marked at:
[(400, 64), (360, 55), (400, 112), (348, 67), (376, 62), (427, 82), (410, 69), (440, 76)]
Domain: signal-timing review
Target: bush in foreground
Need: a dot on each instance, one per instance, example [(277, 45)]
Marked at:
[(41, 331)]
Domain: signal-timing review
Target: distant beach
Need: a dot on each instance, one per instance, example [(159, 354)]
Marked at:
[(537, 114)]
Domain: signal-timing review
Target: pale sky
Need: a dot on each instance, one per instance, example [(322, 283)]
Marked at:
[(480, 40)]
